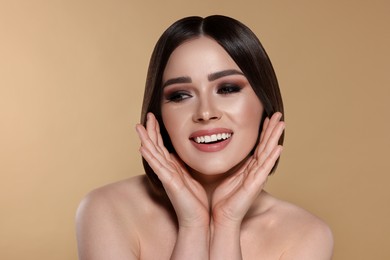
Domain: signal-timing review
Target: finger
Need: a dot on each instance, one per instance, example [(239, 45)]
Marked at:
[(259, 173), (245, 164), (272, 122), (141, 131), (170, 180), (150, 146), (143, 135), (265, 124), (160, 142), (151, 127), (267, 131), (242, 170), (163, 173), (265, 168), (177, 160), (153, 131), (267, 128), (178, 184), (178, 164), (272, 142), (233, 182)]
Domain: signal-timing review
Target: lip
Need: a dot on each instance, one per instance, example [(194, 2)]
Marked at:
[(210, 132), (213, 147)]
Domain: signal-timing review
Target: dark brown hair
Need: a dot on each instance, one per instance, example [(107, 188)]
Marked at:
[(238, 41)]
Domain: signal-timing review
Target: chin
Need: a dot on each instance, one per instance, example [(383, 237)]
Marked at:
[(215, 169)]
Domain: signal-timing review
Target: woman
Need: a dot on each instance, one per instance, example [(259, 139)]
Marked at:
[(211, 133)]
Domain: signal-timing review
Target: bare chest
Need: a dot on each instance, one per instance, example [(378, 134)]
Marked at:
[(158, 239)]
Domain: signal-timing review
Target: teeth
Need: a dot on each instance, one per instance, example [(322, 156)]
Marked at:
[(212, 138)]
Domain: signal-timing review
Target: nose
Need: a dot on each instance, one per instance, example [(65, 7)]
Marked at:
[(206, 110)]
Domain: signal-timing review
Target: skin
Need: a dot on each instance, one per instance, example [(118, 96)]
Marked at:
[(216, 206)]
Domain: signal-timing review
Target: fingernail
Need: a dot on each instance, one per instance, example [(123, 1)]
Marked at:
[(136, 127)]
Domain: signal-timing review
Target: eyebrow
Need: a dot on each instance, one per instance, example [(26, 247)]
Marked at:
[(210, 77), (177, 80), (223, 73)]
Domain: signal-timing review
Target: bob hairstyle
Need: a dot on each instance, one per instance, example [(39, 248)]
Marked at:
[(238, 41)]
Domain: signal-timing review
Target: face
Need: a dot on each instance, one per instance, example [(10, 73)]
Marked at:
[(210, 111)]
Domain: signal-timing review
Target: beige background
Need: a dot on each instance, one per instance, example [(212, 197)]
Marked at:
[(71, 84)]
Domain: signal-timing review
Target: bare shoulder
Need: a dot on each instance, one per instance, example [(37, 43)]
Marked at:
[(106, 220), (126, 195), (306, 236)]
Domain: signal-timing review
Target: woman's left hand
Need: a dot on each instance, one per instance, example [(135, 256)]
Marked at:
[(232, 199)]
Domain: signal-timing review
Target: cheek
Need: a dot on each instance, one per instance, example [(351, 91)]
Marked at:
[(247, 113), (174, 121), (249, 118)]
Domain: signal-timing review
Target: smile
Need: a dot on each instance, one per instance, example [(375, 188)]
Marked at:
[(211, 138)]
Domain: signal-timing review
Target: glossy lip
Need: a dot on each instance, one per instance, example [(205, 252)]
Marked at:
[(210, 132), (214, 147)]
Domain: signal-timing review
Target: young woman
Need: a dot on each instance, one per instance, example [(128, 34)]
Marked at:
[(211, 133)]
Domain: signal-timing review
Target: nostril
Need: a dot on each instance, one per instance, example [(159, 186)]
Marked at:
[(203, 119), (206, 116)]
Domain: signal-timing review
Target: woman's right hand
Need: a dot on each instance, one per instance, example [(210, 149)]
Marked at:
[(187, 196)]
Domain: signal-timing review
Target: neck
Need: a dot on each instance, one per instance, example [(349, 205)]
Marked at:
[(209, 182)]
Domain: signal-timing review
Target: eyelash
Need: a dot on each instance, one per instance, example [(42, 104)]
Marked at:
[(225, 89), (177, 96)]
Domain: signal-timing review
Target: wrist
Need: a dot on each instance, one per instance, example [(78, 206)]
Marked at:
[(221, 221), (194, 232), (192, 243), (196, 229), (225, 240), (226, 227), (194, 224)]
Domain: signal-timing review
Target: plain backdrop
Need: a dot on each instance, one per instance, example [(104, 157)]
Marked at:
[(72, 75)]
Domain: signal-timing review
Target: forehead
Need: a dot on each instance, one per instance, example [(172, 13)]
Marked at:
[(196, 57)]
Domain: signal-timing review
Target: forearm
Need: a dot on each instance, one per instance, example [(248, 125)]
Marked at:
[(225, 242), (192, 243)]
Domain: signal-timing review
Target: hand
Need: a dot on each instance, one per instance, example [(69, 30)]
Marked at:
[(186, 195), (233, 198)]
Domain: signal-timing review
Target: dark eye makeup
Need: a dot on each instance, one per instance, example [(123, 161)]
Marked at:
[(177, 96), (226, 89)]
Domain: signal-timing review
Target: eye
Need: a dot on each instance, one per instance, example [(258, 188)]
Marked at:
[(177, 96), (227, 89)]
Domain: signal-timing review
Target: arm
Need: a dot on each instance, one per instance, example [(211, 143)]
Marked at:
[(234, 197), (225, 242), (100, 234), (187, 196), (315, 242), (191, 243)]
